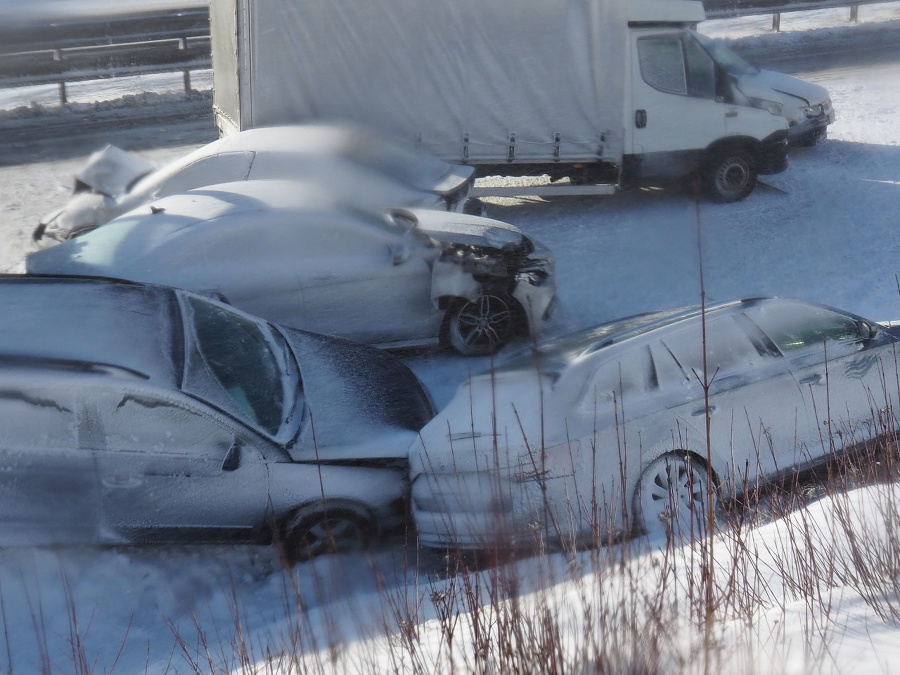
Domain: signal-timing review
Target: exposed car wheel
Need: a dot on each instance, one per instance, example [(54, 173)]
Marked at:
[(730, 176), (328, 532), (672, 497), (481, 326)]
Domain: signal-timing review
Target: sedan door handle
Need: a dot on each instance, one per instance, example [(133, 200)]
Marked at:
[(121, 482), (815, 378), (325, 277), (702, 411)]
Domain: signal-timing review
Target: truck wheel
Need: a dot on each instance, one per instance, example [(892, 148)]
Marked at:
[(730, 176), (481, 326)]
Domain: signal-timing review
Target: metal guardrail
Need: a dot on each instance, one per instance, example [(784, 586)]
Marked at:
[(730, 8), (723, 9), (72, 64), (78, 49)]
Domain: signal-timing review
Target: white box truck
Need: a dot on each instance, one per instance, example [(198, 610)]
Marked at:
[(593, 94)]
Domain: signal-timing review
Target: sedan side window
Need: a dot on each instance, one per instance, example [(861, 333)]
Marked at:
[(142, 422), (35, 417), (220, 168)]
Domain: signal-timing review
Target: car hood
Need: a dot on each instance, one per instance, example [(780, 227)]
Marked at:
[(355, 392), (83, 212), (458, 228), (761, 85), (111, 171)]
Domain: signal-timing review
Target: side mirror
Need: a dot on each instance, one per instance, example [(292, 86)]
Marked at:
[(232, 458)]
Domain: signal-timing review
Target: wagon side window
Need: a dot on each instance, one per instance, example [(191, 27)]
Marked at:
[(629, 374), (796, 328), (729, 349)]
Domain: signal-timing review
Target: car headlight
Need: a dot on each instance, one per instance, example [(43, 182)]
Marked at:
[(814, 110), (773, 107)]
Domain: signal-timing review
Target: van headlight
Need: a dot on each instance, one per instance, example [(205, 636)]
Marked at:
[(773, 107)]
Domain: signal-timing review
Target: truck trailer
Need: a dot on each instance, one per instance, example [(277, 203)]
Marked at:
[(592, 95)]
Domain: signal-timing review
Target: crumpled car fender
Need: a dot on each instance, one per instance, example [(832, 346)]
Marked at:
[(450, 279)]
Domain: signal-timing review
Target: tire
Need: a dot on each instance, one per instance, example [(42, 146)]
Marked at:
[(730, 176), (481, 326), (671, 497), (326, 533)]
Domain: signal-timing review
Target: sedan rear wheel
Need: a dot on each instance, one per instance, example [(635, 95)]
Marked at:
[(481, 326), (327, 533), (672, 497)]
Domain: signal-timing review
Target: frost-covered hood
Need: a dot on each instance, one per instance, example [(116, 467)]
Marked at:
[(793, 92), (111, 171), (457, 228), (355, 392)]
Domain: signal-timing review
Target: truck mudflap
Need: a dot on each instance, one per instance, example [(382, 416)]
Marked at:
[(773, 153)]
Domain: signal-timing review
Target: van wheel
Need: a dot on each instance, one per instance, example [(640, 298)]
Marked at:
[(730, 176), (671, 497), (481, 326), (325, 533)]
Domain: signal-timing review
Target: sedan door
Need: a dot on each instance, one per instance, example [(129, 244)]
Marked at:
[(170, 471), (366, 282), (48, 486)]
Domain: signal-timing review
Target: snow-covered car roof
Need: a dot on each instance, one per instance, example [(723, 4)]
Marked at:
[(360, 146), (87, 322)]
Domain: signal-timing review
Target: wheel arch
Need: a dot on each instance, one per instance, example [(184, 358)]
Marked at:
[(447, 303)]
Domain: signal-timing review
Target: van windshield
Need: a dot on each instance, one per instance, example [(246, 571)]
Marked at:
[(724, 57)]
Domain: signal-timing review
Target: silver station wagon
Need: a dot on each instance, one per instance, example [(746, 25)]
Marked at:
[(604, 432)]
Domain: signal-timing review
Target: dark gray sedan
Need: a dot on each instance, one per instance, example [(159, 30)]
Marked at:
[(139, 413)]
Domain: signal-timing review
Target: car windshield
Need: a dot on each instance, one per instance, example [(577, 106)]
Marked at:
[(727, 59), (242, 366)]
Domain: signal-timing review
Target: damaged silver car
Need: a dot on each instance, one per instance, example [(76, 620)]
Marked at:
[(133, 413), (641, 424), (289, 253), (345, 160)]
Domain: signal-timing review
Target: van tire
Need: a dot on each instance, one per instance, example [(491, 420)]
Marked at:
[(729, 176)]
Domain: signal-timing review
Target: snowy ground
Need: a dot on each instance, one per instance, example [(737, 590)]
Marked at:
[(824, 230)]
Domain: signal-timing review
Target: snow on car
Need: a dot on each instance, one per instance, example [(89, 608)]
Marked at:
[(345, 160), (603, 431), (290, 254), (806, 106), (142, 414)]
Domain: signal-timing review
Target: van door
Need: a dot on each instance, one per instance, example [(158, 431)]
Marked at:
[(674, 112)]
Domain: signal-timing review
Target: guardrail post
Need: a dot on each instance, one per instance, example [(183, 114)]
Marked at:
[(854, 13), (182, 45), (63, 98), (776, 22)]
